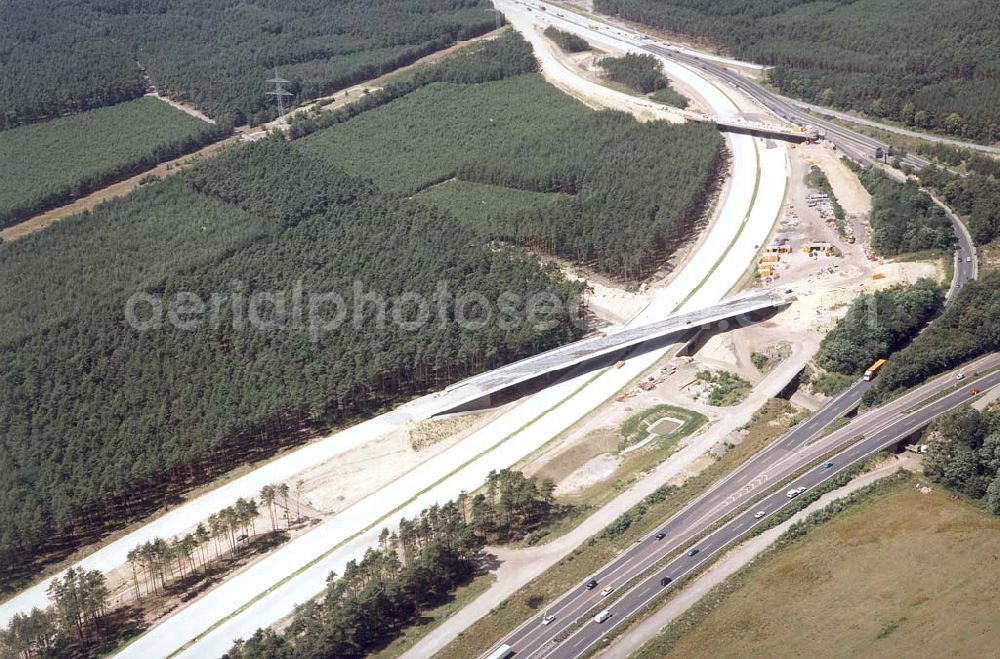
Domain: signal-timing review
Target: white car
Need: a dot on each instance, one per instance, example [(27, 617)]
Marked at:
[(800, 490), (968, 259), (607, 591), (547, 619), (960, 376), (759, 514), (791, 493)]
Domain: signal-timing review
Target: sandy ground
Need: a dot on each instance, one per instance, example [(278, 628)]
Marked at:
[(846, 186), (183, 107), (738, 557), (336, 484), (593, 471), (577, 76)]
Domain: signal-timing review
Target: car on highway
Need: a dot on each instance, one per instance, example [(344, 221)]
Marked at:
[(607, 591), (960, 375), (592, 584), (968, 259), (974, 392), (794, 492), (602, 616), (759, 514), (828, 465), (547, 619), (661, 536), (665, 580), (693, 551)]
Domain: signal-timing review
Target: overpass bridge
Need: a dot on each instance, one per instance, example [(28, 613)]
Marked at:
[(742, 125), (573, 354)]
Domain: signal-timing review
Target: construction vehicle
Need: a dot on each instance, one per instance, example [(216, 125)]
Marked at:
[(874, 369)]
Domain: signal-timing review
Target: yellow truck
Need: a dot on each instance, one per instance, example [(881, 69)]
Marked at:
[(874, 369)]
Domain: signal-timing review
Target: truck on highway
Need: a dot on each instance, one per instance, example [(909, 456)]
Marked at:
[(501, 652), (874, 369)]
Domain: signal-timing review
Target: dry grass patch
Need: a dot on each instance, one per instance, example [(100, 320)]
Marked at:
[(904, 574)]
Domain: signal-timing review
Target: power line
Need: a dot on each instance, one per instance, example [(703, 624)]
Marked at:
[(279, 92)]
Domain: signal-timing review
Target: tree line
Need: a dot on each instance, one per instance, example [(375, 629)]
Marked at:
[(64, 57), (414, 568), (964, 454), (234, 527), (567, 41), (79, 603), (975, 197), (969, 328), (877, 324), (933, 67)]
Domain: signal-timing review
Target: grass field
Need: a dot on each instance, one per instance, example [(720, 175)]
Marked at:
[(771, 421), (54, 161), (904, 574), (480, 204)]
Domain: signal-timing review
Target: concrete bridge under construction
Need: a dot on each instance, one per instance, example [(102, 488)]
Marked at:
[(484, 385)]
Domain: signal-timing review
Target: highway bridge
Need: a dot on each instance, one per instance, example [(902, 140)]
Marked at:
[(564, 357), (854, 145)]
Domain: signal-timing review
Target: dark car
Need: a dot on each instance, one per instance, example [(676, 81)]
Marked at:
[(693, 551), (661, 536), (665, 580), (592, 584)]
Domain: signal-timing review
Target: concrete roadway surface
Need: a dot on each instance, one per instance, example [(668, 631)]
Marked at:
[(800, 447)]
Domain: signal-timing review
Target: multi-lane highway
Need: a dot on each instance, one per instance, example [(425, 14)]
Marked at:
[(857, 146), (804, 453)]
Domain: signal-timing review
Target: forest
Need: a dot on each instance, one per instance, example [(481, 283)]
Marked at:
[(976, 197), (877, 324), (66, 158), (640, 73), (62, 57), (413, 569), (964, 454), (629, 206), (926, 64), (969, 328), (568, 41), (101, 422), (904, 218)]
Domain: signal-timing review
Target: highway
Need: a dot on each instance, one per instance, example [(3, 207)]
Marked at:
[(856, 146), (793, 454), (845, 116)]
